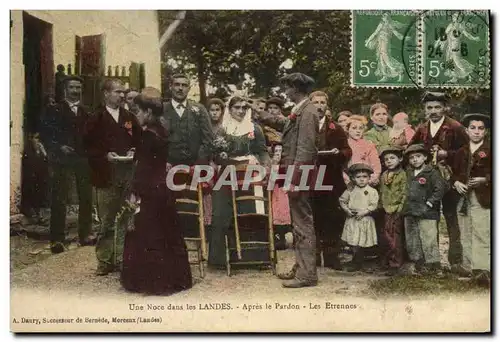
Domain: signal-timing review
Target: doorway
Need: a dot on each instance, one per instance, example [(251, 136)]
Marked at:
[(38, 79)]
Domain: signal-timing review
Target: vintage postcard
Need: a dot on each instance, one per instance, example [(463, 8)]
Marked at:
[(250, 171)]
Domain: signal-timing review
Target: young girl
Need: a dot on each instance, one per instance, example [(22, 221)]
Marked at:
[(358, 202), (363, 151)]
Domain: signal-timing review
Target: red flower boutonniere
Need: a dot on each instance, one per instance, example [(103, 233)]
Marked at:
[(482, 154), (292, 116), (251, 135), (331, 125), (422, 181), (128, 127)]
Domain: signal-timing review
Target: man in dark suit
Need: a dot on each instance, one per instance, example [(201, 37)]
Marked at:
[(111, 135), (63, 136), (190, 132), (300, 135), (328, 216), (443, 136)]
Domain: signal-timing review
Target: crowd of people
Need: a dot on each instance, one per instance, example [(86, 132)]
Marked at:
[(389, 183)]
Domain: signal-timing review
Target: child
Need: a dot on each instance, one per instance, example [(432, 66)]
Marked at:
[(393, 194), (358, 203), (425, 190), (472, 180), (363, 151), (401, 133)]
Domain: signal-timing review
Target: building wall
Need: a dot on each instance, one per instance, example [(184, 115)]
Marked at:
[(130, 36)]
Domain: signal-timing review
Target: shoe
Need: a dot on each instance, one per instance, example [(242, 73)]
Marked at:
[(57, 247), (296, 283), (391, 272), (103, 270), (290, 274), (88, 241), (461, 271), (482, 278)]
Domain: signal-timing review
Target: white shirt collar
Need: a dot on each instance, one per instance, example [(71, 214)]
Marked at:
[(297, 106), (322, 122), (475, 146), (434, 126), (115, 113), (73, 106), (175, 104)]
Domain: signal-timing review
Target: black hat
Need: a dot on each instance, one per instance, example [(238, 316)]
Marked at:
[(416, 148), (298, 79), (359, 167), (476, 116), (392, 149), (275, 100), (72, 78), (435, 96)]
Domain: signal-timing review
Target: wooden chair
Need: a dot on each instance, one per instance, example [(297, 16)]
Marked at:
[(189, 205), (250, 222)]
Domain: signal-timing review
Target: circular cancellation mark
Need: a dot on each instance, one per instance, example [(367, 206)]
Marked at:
[(452, 49)]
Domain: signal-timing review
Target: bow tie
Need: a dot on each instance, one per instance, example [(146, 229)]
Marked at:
[(180, 106)]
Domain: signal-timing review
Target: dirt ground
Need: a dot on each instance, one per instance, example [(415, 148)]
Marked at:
[(61, 286)]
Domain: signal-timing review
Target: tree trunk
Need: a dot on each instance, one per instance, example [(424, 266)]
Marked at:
[(201, 78)]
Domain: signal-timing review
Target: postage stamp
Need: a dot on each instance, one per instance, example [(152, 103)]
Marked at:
[(384, 48), (456, 49)]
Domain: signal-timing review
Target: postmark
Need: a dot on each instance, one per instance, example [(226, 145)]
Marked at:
[(381, 40), (455, 49)]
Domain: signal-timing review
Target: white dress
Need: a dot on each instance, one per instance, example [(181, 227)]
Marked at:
[(361, 233)]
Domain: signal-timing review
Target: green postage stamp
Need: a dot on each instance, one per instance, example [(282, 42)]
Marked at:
[(443, 48)]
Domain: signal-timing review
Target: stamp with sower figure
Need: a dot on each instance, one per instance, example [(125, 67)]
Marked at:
[(425, 49), (456, 49)]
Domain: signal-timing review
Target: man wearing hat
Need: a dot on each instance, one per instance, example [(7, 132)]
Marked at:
[(64, 126), (443, 136), (472, 180), (274, 107), (425, 190), (300, 134), (328, 216)]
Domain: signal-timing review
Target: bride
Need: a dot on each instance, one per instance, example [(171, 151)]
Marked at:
[(247, 144)]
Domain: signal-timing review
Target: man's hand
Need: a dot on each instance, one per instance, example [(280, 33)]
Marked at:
[(67, 150), (333, 151), (112, 156), (460, 187), (131, 152), (476, 181)]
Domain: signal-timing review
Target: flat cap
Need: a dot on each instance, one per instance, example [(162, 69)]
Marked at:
[(435, 96), (416, 148), (275, 100), (68, 78), (392, 149), (478, 117), (297, 79), (359, 167)]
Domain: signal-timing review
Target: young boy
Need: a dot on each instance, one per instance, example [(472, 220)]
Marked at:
[(392, 198), (425, 190), (472, 180)]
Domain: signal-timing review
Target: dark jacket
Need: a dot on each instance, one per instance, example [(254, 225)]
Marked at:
[(451, 136), (427, 186), (190, 136), (331, 136), (102, 135), (61, 126), (479, 166)]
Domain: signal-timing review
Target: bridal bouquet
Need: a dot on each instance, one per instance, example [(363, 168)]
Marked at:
[(221, 147)]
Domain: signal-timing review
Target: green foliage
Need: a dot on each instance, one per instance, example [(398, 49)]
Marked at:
[(221, 46)]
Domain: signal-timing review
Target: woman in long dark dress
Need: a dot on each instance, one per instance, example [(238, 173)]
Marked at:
[(155, 259)]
